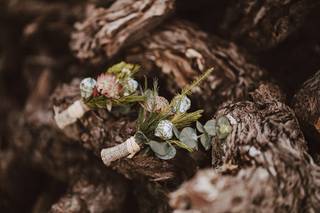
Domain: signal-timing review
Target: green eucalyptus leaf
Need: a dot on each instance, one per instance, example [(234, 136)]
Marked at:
[(159, 148), (210, 127), (205, 140), (224, 127), (171, 153), (189, 137), (200, 127), (176, 132)]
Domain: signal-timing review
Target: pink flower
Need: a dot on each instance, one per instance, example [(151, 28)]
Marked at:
[(107, 84)]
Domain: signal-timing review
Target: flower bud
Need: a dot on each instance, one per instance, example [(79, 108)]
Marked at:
[(130, 87), (108, 85), (164, 130), (156, 104), (86, 87), (181, 104)]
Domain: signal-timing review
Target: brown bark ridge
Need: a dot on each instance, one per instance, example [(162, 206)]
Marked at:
[(152, 197), (105, 31), (38, 16), (257, 124), (265, 165), (99, 129), (93, 188), (181, 52), (33, 138), (261, 25), (306, 104), (96, 196)]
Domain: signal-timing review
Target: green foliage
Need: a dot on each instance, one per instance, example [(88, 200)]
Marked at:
[(205, 141), (173, 117), (188, 89), (200, 127), (223, 127), (185, 119), (189, 137), (148, 121), (103, 102), (210, 127), (123, 72), (163, 151)]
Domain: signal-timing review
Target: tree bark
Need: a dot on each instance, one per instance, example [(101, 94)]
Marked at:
[(105, 32), (179, 52), (306, 104), (96, 196), (265, 166), (261, 25), (37, 143)]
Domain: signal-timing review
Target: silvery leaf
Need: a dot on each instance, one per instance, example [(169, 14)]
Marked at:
[(86, 87), (210, 127), (181, 104), (132, 85), (200, 127), (164, 130), (176, 132), (159, 148), (224, 127), (205, 140), (171, 153), (189, 137)]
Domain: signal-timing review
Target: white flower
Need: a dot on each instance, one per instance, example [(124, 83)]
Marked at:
[(130, 87), (86, 87), (108, 85), (164, 130), (181, 104)]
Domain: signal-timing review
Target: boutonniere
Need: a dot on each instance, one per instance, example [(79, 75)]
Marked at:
[(114, 87), (162, 126)]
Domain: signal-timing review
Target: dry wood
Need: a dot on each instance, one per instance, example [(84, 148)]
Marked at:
[(306, 105), (253, 189), (93, 195), (266, 165), (105, 32), (261, 167), (263, 25), (38, 143), (181, 51)]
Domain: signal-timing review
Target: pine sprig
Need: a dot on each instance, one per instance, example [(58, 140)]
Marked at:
[(181, 120), (149, 121), (180, 144), (102, 101), (188, 89), (161, 127)]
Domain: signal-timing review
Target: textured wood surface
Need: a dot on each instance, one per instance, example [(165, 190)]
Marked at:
[(264, 167), (105, 31), (180, 52)]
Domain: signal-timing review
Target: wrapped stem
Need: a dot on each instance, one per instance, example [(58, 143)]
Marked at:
[(71, 114), (128, 148)]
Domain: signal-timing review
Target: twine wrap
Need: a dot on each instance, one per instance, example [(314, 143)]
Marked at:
[(71, 114), (129, 148)]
